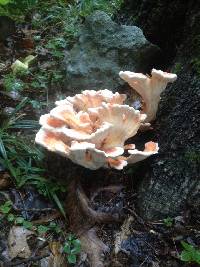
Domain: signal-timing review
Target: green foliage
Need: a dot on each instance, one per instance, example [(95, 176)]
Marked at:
[(86, 7), (6, 207), (196, 64), (26, 224), (11, 83), (40, 80), (11, 217), (23, 159), (49, 189), (69, 17), (177, 67), (168, 221), (16, 9), (56, 45), (72, 248), (60, 22), (193, 156), (190, 253), (5, 2), (52, 227), (37, 104)]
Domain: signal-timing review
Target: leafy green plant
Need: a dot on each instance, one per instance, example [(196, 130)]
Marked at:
[(26, 224), (61, 21), (6, 210), (56, 45), (6, 207), (196, 64), (16, 9), (49, 189), (37, 104), (177, 67), (52, 227), (5, 2), (72, 248), (168, 221), (193, 156), (190, 253), (12, 83), (86, 7), (23, 159)]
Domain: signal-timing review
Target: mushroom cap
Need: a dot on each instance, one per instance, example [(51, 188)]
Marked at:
[(150, 88)]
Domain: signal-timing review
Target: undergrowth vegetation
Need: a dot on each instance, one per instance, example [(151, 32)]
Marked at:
[(71, 245), (22, 158), (54, 27), (46, 30)]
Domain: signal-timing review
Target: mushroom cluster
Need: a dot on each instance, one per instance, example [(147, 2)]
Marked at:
[(91, 129)]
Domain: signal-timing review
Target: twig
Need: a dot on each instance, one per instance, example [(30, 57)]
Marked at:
[(47, 219), (35, 258), (138, 218), (36, 250), (144, 261)]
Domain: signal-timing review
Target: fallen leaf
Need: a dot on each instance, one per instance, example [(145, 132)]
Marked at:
[(17, 242), (56, 259), (29, 33), (4, 180), (20, 66), (27, 43)]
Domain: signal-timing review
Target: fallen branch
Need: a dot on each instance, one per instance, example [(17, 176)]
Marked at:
[(33, 259)]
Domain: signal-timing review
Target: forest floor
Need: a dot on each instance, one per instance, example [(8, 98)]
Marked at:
[(34, 221)]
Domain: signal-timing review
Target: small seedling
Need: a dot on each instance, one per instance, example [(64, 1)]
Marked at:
[(53, 227), (12, 83), (26, 224), (11, 217), (6, 207), (72, 247), (168, 222), (42, 229), (190, 253)]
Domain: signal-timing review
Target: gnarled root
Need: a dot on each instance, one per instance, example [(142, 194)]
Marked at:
[(95, 216), (83, 219), (93, 247)]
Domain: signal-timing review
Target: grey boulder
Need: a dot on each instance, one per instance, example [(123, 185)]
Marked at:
[(103, 49)]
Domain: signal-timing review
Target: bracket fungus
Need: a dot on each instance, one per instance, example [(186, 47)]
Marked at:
[(150, 88), (91, 129)]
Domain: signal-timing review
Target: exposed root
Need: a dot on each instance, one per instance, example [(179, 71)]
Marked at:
[(95, 216), (93, 247), (83, 219)]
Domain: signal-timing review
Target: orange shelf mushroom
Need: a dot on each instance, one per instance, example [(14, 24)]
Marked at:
[(91, 128)]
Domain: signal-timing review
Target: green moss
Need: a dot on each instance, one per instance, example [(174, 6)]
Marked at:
[(196, 64), (193, 156), (177, 67)]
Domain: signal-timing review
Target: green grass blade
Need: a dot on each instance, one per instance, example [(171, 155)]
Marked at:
[(25, 124), (20, 106), (58, 203), (2, 149)]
